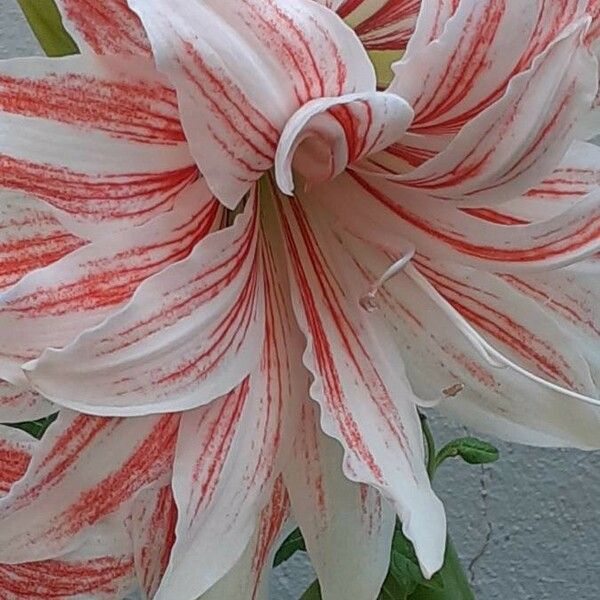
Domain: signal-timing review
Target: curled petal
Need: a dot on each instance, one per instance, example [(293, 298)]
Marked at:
[(188, 336), (50, 307), (84, 470), (118, 154), (506, 149), (327, 135), (242, 68), (109, 27), (474, 55)]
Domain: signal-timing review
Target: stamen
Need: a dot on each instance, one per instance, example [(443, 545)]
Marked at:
[(369, 301), (453, 390), (492, 356)]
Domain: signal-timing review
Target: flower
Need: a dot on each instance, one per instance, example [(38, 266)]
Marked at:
[(237, 266)]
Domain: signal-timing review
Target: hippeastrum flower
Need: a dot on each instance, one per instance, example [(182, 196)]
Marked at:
[(239, 269)]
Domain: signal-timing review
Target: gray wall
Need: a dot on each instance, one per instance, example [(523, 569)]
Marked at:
[(527, 528)]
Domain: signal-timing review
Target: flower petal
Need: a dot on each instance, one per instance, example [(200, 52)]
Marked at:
[(508, 148), (443, 364), (380, 24), (188, 336), (83, 470), (366, 401), (577, 176), (117, 154), (431, 21), (226, 460), (153, 532), (248, 580), (51, 306), (447, 233), (347, 527), (327, 135), (18, 404), (16, 447), (477, 51), (109, 27), (31, 237), (102, 569), (572, 297), (242, 68)]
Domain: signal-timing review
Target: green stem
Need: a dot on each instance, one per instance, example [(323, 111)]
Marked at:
[(45, 22), (430, 442)]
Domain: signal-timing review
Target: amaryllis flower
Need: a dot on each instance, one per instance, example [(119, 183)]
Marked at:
[(239, 268)]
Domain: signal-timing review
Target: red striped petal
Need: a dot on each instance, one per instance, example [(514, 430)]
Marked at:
[(248, 580), (102, 569), (365, 400), (84, 470), (347, 527), (439, 358), (16, 447), (188, 336), (226, 459), (51, 306), (153, 532), (507, 149), (450, 234), (18, 405), (31, 238), (109, 27), (118, 153), (242, 68), (327, 135), (380, 24)]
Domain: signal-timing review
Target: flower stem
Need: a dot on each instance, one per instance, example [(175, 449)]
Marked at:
[(430, 443)]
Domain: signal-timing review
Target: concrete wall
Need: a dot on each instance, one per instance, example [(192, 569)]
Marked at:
[(528, 528)]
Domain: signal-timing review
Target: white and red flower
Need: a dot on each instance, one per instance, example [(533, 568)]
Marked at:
[(216, 375)]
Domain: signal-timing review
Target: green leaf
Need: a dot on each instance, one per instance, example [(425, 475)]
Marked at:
[(292, 544), (393, 589), (46, 23), (35, 428), (455, 585), (405, 573), (470, 449), (313, 592)]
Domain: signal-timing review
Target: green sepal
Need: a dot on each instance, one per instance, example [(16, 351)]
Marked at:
[(46, 23), (470, 449)]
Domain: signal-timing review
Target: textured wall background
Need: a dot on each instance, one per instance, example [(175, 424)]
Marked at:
[(528, 528)]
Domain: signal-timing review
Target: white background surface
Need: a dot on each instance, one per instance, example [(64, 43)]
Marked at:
[(528, 528)]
